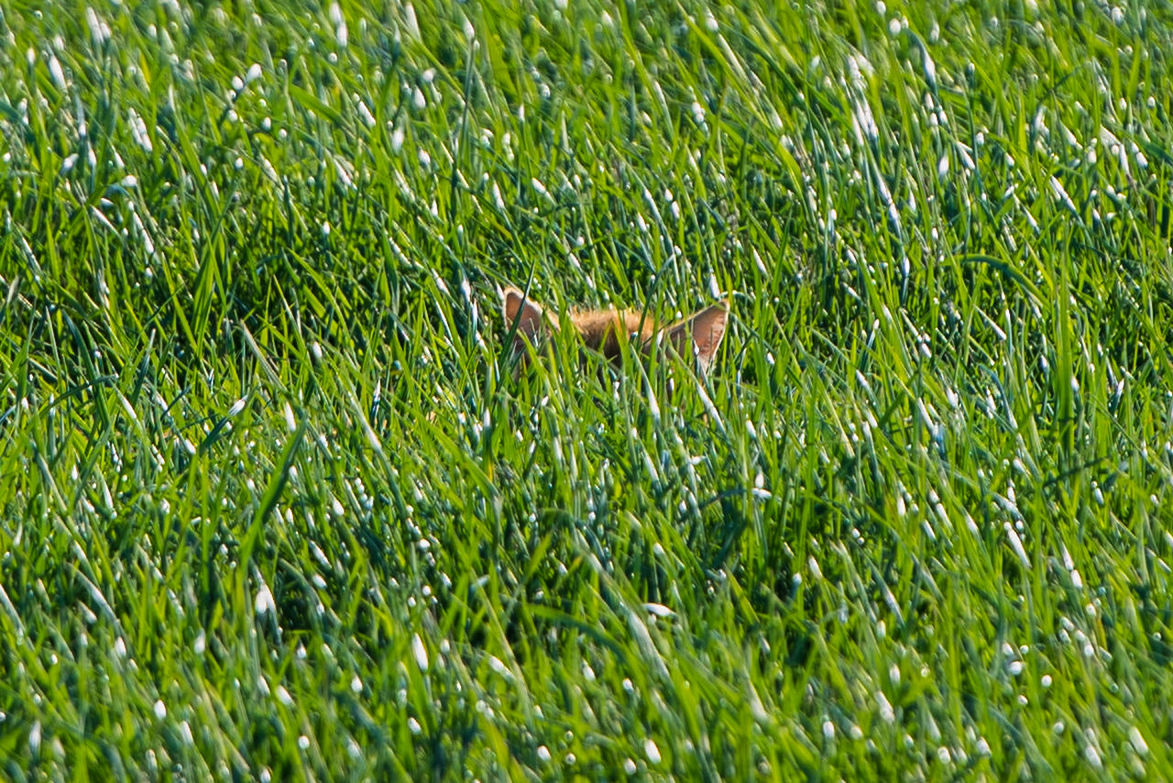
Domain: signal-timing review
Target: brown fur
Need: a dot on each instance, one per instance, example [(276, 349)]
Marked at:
[(605, 331)]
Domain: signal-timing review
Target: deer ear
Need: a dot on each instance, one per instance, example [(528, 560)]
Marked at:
[(700, 334), (518, 309)]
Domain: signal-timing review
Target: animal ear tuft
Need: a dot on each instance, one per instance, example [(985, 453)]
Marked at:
[(700, 334), (519, 309)]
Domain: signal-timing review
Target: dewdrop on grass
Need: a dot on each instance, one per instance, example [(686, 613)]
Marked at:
[(264, 603), (341, 33), (420, 652), (1138, 741), (498, 666), (1093, 756), (887, 714), (56, 72), (138, 131), (365, 114)]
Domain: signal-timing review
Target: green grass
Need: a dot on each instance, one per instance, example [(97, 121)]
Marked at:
[(272, 504)]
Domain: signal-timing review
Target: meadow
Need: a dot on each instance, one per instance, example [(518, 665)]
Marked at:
[(276, 504)]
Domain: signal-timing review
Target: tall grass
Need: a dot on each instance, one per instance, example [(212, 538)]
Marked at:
[(274, 505)]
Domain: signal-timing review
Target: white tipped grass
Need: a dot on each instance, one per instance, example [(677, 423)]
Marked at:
[(272, 495)]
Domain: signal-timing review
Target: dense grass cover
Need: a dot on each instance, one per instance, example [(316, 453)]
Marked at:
[(273, 504)]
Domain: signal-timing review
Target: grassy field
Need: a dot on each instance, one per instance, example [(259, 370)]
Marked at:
[(274, 506)]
